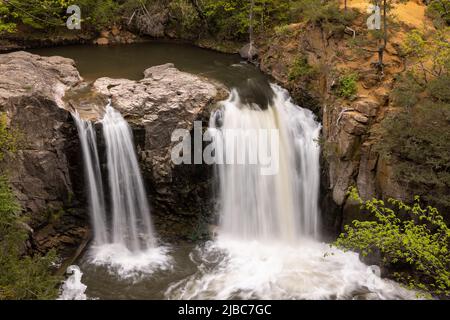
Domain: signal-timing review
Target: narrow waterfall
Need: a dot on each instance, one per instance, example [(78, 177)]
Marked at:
[(283, 206), (87, 136), (131, 225), (123, 235)]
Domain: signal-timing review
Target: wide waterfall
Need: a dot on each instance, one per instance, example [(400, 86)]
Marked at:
[(268, 243), (124, 238), (283, 206)]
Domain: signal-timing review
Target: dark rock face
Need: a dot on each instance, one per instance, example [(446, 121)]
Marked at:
[(166, 100), (249, 52), (43, 172)]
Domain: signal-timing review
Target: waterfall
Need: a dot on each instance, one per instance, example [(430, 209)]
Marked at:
[(283, 206), (123, 239), (131, 225), (73, 288), (96, 201), (267, 245)]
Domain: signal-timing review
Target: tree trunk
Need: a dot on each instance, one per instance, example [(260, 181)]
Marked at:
[(385, 38)]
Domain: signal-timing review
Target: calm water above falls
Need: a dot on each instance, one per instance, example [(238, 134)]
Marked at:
[(266, 247)]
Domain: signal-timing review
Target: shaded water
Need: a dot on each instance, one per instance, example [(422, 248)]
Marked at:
[(251, 258), (130, 61)]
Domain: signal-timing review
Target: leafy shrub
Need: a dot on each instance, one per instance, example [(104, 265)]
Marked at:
[(283, 30), (300, 68), (427, 57), (322, 12), (419, 243), (439, 88), (406, 92), (439, 11), (8, 139), (185, 15), (21, 277), (347, 86), (419, 141), (51, 14)]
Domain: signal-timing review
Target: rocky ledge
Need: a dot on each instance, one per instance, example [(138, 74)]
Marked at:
[(42, 170)]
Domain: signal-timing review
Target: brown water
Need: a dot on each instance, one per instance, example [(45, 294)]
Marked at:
[(130, 61)]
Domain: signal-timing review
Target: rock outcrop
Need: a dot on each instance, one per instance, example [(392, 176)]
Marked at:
[(350, 126), (42, 170)]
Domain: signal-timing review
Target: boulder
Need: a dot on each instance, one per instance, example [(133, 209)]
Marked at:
[(249, 52), (102, 41), (41, 171)]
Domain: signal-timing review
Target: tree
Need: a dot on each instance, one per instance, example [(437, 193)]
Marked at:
[(387, 6)]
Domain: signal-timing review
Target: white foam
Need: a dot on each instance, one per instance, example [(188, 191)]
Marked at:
[(127, 264), (73, 288), (234, 269)]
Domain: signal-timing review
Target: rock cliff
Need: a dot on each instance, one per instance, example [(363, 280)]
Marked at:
[(43, 170)]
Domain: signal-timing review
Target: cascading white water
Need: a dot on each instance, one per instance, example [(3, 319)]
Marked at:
[(87, 136), (283, 206), (267, 245), (73, 288), (125, 241), (131, 225)]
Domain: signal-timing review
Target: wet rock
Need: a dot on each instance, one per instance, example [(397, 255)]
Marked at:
[(249, 52), (102, 41)]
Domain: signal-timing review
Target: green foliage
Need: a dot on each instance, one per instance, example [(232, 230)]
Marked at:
[(406, 92), (39, 14), (99, 14), (417, 138), (230, 19), (21, 277), (8, 139), (419, 141), (300, 68), (428, 56), (283, 30), (416, 247), (439, 88), (187, 17), (347, 85), (323, 13), (439, 11), (49, 15)]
